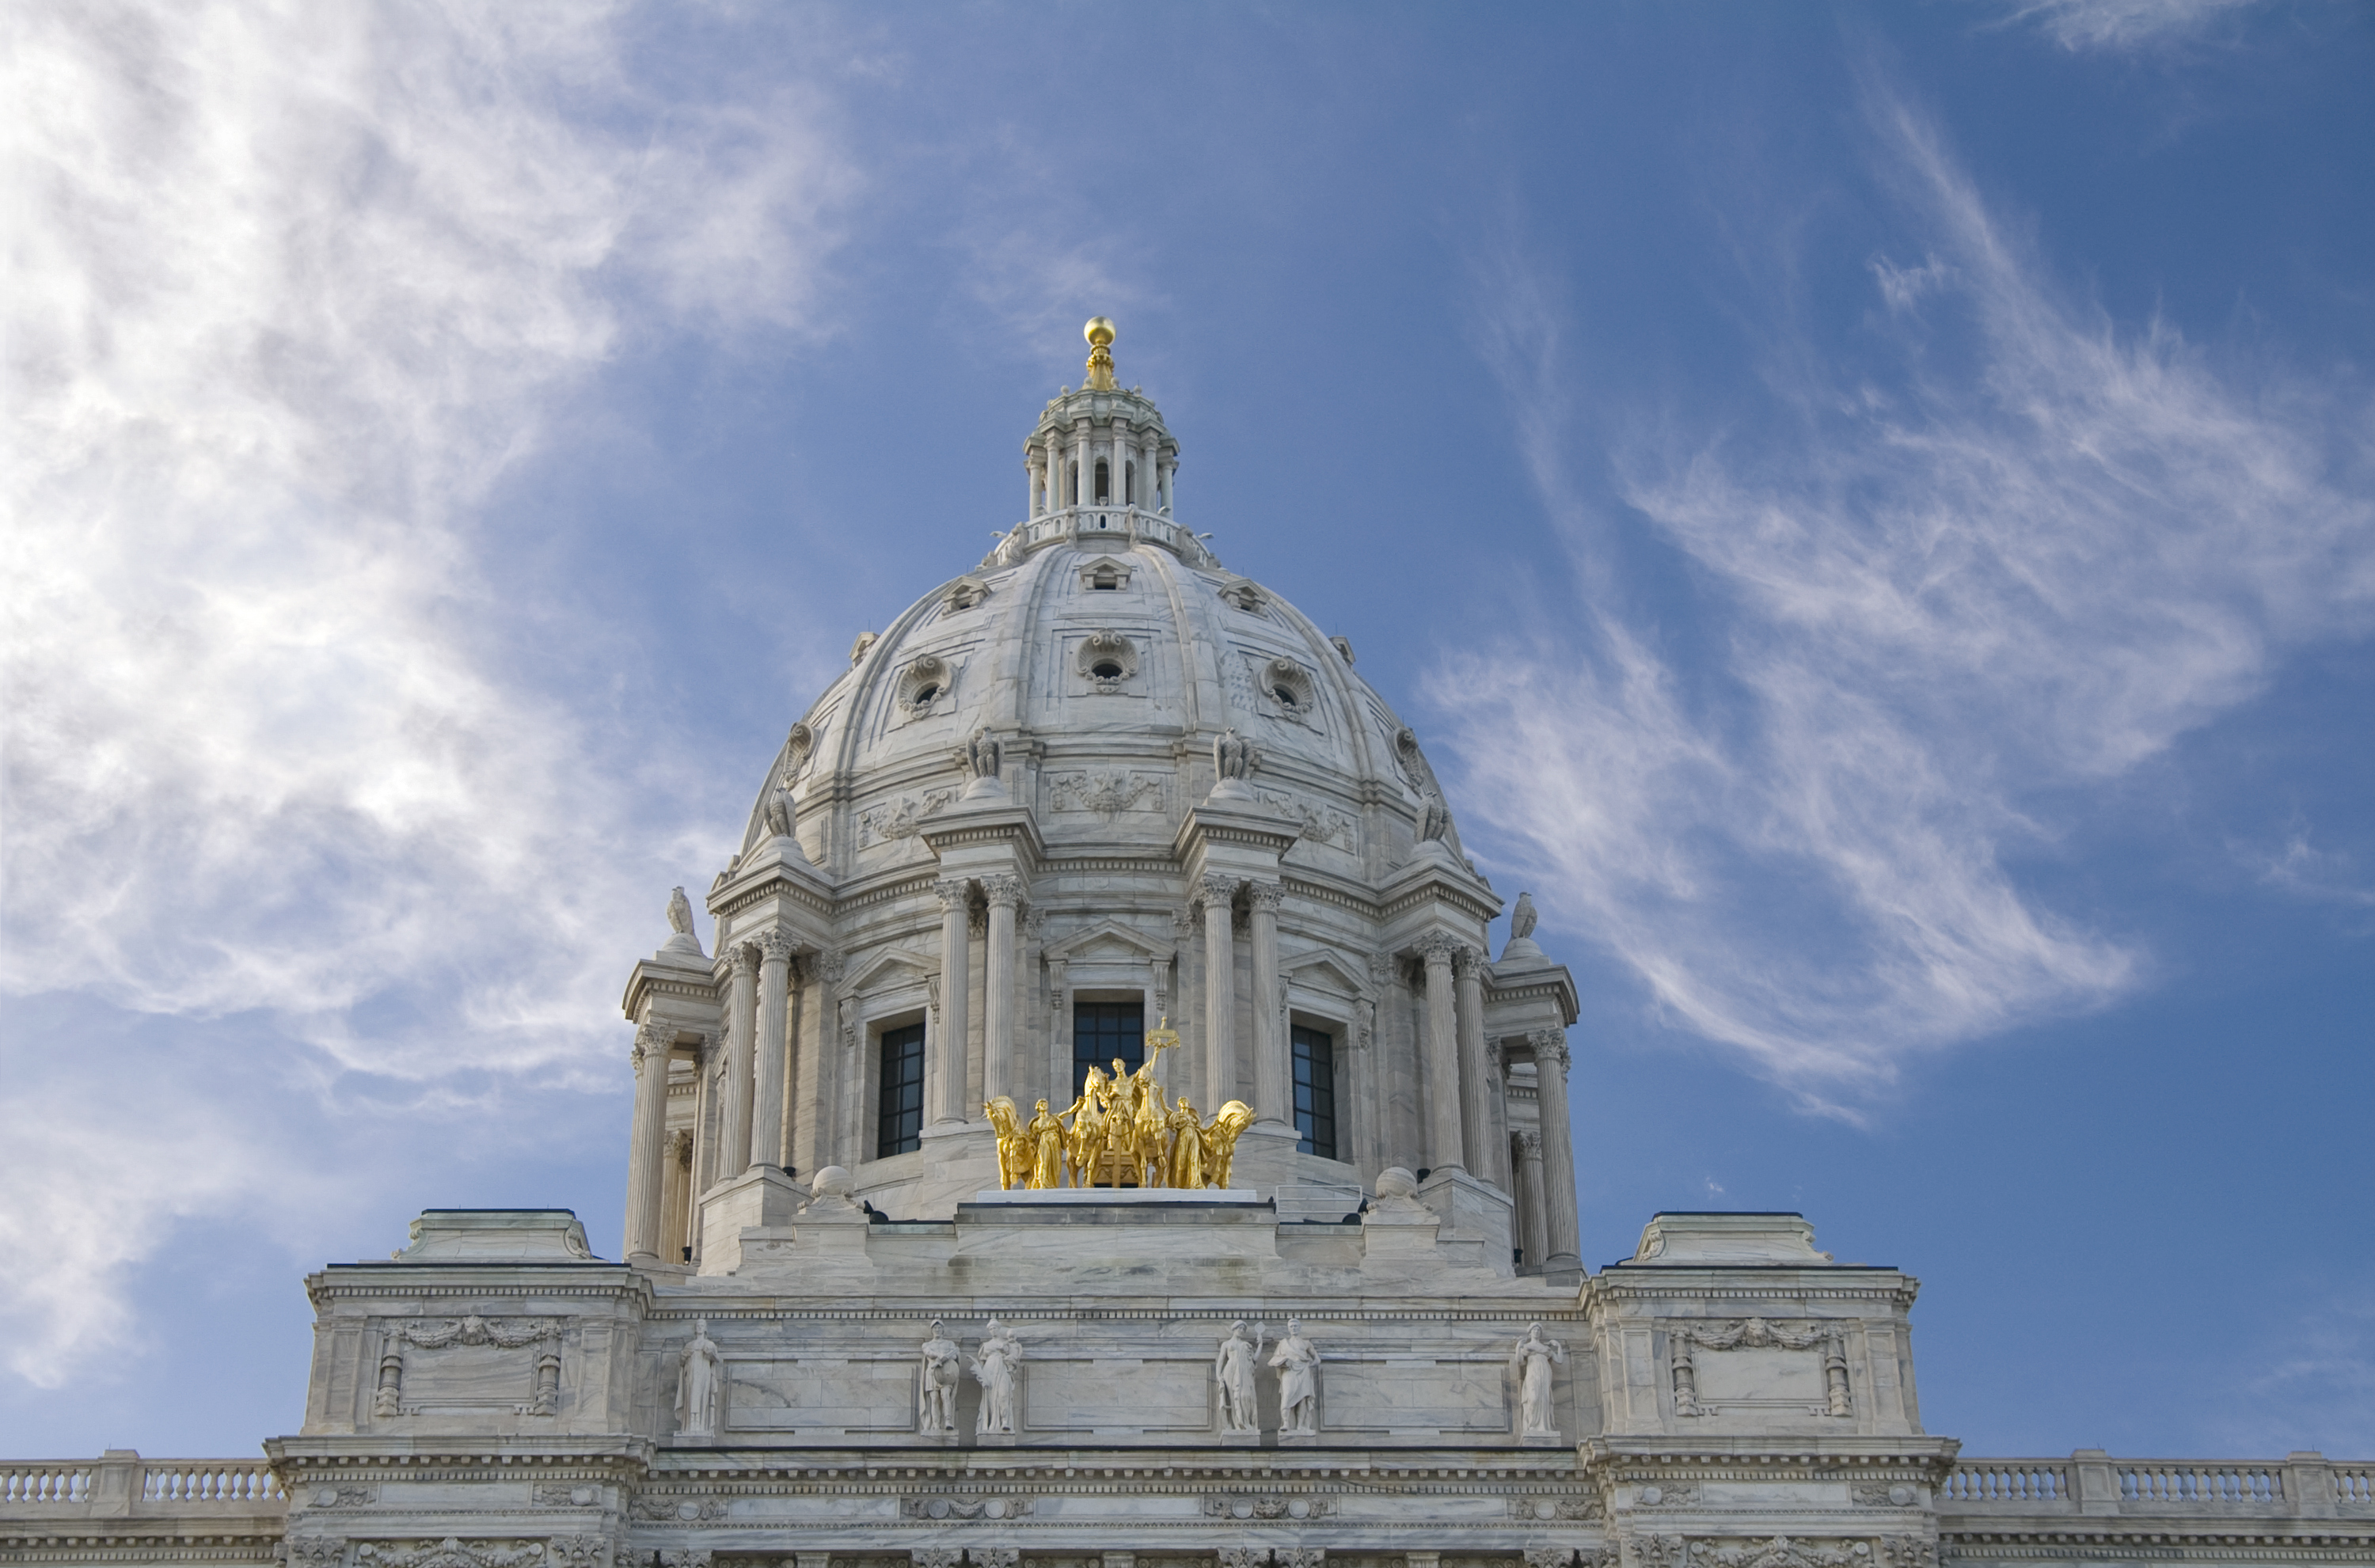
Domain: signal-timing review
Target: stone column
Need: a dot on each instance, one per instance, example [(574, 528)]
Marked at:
[(767, 1081), (1502, 1174), (676, 1174), (705, 1064), (1273, 1071), (1059, 1034), (1171, 486), (734, 1116), (644, 1147), (944, 1053), (796, 977), (1534, 1231), (998, 987), (1558, 1153), (1475, 1085), (1036, 468), (1220, 993), (1441, 1050)]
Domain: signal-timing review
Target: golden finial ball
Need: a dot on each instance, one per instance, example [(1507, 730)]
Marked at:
[(1099, 332)]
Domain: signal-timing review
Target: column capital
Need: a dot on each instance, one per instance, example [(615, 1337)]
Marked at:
[(1436, 947), (1003, 892), (955, 893), (1492, 1054), (1550, 1046), (1266, 895), (1217, 887), (775, 946), (1469, 959), (1530, 1144), (650, 1039), (744, 958), (1381, 970)]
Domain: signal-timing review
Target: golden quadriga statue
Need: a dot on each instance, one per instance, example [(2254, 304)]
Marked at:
[(1118, 1134)]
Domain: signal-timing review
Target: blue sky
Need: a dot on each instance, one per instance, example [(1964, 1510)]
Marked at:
[(1870, 506)]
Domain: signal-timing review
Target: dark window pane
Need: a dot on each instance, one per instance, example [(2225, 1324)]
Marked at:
[(1101, 1030), (1315, 1091), (901, 1126)]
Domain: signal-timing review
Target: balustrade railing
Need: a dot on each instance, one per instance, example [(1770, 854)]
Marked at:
[(2089, 1481), (43, 1480), (207, 1480), (123, 1483), (2184, 1482), (2007, 1480)]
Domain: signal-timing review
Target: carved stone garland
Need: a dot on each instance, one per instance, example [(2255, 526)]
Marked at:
[(1755, 1333), (387, 1399)]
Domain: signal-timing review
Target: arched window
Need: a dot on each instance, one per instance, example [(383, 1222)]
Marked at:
[(1104, 482), (1129, 484)]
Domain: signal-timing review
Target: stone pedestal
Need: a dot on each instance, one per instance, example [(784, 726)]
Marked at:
[(762, 1197), (1474, 1214)]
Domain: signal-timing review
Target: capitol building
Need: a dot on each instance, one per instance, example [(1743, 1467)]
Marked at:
[(1100, 1134)]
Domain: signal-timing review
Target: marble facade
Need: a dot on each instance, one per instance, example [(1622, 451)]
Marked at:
[(1099, 769)]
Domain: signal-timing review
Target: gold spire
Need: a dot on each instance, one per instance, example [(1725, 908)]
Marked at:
[(1100, 334)]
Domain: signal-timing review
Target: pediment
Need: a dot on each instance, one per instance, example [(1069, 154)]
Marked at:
[(1324, 971), (894, 968), (1109, 941)]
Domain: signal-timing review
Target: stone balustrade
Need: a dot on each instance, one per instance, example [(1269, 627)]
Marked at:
[(2301, 1485), (122, 1483)]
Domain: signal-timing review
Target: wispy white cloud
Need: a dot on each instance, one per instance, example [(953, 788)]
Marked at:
[(2307, 1383), (1938, 594), (2113, 25), (2299, 867), (290, 287)]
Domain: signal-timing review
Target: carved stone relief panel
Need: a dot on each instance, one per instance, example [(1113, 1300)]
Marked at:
[(1799, 1369), (469, 1364), (1109, 793), (900, 818), (451, 1552), (1322, 825)]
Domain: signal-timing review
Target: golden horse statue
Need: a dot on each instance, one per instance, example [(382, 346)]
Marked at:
[(1220, 1140), (1014, 1149)]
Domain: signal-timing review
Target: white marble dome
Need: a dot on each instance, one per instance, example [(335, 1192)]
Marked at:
[(1107, 651)]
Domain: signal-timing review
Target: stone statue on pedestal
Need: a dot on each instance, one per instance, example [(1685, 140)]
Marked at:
[(936, 1413), (999, 1371), (1534, 1359), (698, 1372), (1233, 1367), (1297, 1359)]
